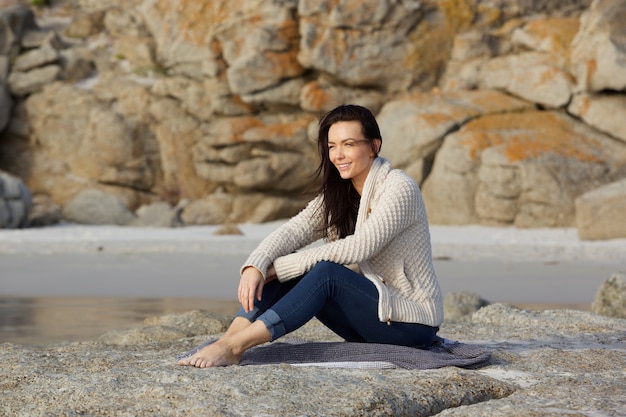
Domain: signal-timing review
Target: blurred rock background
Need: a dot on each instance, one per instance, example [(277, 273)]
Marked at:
[(506, 112)]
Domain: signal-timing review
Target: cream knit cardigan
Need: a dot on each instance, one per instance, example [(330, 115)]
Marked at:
[(390, 244)]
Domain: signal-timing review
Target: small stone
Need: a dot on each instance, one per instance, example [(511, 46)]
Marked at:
[(610, 300)]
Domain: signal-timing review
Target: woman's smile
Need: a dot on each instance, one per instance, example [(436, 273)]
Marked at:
[(350, 152)]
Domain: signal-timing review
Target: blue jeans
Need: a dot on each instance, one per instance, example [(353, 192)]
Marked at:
[(345, 301)]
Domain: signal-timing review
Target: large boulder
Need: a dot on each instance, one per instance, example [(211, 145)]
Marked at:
[(324, 94), (257, 153), (222, 208), (93, 206), (24, 83), (176, 133), (604, 112), (413, 127), (470, 50), (600, 212), (527, 58), (14, 22), (35, 58), (259, 57), (552, 35), (394, 45), (15, 202), (524, 169), (599, 49), (530, 75), (78, 134), (111, 152)]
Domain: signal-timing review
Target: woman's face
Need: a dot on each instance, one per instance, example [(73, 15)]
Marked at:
[(350, 152)]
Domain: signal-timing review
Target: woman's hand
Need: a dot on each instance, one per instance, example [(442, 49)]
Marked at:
[(250, 287), (270, 275)]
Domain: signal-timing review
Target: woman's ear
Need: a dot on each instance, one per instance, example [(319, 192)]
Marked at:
[(377, 145)]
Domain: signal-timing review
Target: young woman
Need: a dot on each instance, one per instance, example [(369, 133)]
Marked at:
[(371, 216)]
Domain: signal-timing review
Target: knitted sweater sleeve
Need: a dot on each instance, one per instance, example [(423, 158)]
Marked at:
[(394, 211), (301, 230)]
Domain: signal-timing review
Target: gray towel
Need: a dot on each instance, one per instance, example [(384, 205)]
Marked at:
[(443, 352)]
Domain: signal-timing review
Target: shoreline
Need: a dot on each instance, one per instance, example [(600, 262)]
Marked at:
[(55, 281), (91, 317)]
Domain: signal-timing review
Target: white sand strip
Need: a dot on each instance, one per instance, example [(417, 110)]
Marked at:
[(456, 242)]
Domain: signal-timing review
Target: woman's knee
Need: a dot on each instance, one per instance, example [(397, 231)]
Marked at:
[(336, 275), (327, 268)]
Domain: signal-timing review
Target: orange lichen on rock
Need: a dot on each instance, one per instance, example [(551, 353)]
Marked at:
[(491, 101), (459, 14), (435, 119), (560, 31), (286, 64), (428, 50), (228, 131), (592, 67), (197, 20), (278, 131), (529, 135), (315, 98)]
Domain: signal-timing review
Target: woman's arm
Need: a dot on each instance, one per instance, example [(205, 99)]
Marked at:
[(397, 208), (300, 231)]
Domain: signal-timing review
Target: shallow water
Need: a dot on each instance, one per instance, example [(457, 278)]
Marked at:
[(49, 320), (45, 320), (73, 297)]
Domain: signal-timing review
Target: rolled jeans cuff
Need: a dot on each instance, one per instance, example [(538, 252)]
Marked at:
[(274, 324)]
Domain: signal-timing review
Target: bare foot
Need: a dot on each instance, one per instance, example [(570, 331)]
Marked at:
[(215, 354), (230, 347)]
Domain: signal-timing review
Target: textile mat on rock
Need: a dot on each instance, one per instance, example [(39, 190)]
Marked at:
[(443, 352)]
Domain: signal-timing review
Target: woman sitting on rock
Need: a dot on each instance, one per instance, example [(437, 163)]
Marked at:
[(371, 216)]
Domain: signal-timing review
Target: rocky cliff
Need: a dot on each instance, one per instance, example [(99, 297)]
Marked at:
[(505, 112)]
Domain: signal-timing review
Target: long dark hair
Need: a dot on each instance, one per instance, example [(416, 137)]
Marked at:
[(341, 199)]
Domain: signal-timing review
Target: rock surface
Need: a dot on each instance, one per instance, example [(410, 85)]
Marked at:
[(15, 202), (557, 363), (610, 299), (461, 305), (214, 104), (599, 212), (524, 169), (97, 207)]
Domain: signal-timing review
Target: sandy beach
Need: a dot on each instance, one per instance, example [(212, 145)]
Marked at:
[(72, 282)]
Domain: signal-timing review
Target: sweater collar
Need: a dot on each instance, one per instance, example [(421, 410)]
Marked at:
[(378, 171)]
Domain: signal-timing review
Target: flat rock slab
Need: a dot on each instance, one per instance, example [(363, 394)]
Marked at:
[(554, 363), (95, 379)]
